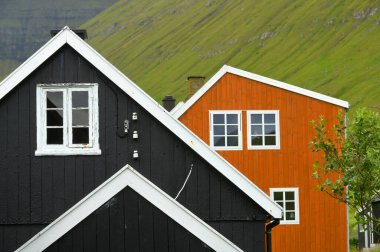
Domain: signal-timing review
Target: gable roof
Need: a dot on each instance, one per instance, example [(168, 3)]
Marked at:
[(228, 69), (66, 36), (127, 176)]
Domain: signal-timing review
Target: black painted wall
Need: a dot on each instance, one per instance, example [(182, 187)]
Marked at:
[(129, 229), (36, 190)]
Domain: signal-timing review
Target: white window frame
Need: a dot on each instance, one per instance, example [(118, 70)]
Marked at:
[(211, 130), (296, 203), (277, 123), (67, 148)]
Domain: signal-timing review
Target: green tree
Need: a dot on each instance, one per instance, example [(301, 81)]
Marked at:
[(351, 157)]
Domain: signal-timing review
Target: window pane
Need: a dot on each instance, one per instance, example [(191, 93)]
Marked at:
[(257, 140), (280, 203), (256, 130), (54, 99), (80, 99), (80, 117), (269, 118), (218, 118), (232, 141), (54, 136), (277, 196), (54, 117), (290, 215), (80, 136), (290, 206), (270, 129), (232, 118), (219, 130), (219, 141), (256, 119), (289, 195), (232, 129), (270, 140)]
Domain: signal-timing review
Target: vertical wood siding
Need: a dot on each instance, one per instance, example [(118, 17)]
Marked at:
[(129, 230), (36, 190), (322, 220)]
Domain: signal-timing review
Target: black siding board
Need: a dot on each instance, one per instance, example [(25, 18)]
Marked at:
[(102, 226), (146, 226), (58, 188), (69, 185), (3, 164), (89, 234), (24, 156), (131, 221), (47, 189), (13, 158), (116, 224)]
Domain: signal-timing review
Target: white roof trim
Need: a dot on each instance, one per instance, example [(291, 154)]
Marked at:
[(228, 69), (127, 176), (179, 105), (130, 88)]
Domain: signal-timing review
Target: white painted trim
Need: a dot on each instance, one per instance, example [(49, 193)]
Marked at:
[(127, 176), (174, 110), (211, 129), (67, 148), (265, 80), (277, 123), (131, 89), (296, 203)]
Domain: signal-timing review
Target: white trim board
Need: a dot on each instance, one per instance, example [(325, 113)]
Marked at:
[(265, 80), (66, 36), (127, 176)]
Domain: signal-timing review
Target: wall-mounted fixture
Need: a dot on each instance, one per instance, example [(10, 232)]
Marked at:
[(135, 154), (126, 126), (135, 134), (134, 116)]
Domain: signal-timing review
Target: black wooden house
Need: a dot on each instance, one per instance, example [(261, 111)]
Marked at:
[(89, 162)]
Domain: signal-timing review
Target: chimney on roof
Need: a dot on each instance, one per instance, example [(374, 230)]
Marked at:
[(80, 32), (168, 102), (195, 83)]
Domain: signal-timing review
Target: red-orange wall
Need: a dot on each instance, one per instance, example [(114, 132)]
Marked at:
[(322, 224)]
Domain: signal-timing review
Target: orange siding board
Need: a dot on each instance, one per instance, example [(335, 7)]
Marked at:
[(322, 220)]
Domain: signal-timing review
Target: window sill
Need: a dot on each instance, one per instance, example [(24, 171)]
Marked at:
[(264, 148), (67, 152), (289, 223), (226, 148)]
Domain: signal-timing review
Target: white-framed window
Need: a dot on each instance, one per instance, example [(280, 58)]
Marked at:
[(288, 199), (67, 119), (225, 130), (263, 129)]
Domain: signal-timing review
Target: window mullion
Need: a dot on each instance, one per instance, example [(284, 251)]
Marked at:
[(68, 119)]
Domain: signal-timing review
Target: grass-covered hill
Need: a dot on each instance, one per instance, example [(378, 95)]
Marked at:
[(25, 24), (332, 47)]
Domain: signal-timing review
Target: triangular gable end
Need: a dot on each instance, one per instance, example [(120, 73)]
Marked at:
[(66, 36), (228, 69), (127, 176)]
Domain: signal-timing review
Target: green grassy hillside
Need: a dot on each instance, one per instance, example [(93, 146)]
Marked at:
[(332, 47)]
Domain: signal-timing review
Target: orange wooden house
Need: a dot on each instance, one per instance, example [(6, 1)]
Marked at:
[(262, 127)]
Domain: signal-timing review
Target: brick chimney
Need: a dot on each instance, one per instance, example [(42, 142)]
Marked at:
[(168, 102), (195, 83)]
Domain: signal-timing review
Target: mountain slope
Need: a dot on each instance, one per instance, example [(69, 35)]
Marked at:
[(327, 46), (25, 24)]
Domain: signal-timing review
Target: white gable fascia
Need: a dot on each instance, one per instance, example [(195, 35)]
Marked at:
[(127, 176), (265, 80), (130, 88)]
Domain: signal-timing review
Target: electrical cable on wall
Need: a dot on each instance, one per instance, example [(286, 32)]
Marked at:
[(184, 184)]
